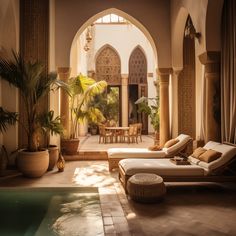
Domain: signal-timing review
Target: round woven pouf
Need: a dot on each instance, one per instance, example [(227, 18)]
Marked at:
[(147, 188)]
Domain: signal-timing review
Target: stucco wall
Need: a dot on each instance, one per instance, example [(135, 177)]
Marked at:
[(153, 15), (123, 38)]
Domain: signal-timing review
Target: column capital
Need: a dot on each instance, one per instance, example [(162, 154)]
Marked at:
[(63, 70), (124, 79), (164, 71), (211, 60), (64, 73), (209, 57), (176, 70)]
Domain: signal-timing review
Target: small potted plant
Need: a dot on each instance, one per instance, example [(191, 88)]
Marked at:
[(82, 90), (51, 126), (6, 118)]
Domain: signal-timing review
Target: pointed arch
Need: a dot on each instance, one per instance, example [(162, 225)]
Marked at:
[(108, 65), (137, 66), (177, 40), (124, 15)]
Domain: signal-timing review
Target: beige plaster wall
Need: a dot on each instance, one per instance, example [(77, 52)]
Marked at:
[(9, 39), (116, 36), (152, 16)]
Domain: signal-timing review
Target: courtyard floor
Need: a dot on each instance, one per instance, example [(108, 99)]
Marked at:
[(187, 209)]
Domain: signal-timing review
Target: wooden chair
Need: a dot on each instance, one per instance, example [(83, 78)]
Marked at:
[(139, 131), (104, 135), (131, 135)]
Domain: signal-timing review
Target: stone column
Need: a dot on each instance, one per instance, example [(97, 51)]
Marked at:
[(164, 74), (64, 74), (175, 110), (124, 99), (211, 60)]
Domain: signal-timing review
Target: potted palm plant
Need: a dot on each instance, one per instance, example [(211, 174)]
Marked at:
[(51, 126), (33, 84), (152, 110), (82, 90), (6, 118)]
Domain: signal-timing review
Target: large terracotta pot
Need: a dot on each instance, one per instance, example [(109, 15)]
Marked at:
[(53, 156), (33, 164), (70, 146)]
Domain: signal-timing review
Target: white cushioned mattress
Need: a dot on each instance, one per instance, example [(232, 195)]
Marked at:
[(145, 153), (162, 167)]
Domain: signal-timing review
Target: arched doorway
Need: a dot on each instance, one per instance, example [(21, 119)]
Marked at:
[(186, 88), (93, 61), (108, 68), (137, 86)]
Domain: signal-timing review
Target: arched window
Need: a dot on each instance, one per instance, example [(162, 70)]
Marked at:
[(108, 66), (137, 67)]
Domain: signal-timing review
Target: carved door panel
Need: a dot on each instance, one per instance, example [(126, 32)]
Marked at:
[(186, 90), (137, 67), (108, 66), (138, 78)]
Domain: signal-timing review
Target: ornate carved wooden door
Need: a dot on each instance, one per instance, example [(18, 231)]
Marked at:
[(186, 90), (108, 66), (138, 77)]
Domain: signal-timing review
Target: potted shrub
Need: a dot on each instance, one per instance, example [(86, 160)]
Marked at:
[(33, 84), (51, 126), (152, 110), (6, 118), (81, 90)]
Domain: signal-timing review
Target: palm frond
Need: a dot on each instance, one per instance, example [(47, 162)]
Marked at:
[(94, 89), (50, 124), (7, 118)]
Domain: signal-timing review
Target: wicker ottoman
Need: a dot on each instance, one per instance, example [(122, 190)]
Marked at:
[(144, 187)]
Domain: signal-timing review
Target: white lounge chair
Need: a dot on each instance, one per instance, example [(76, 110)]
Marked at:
[(198, 171), (185, 146)]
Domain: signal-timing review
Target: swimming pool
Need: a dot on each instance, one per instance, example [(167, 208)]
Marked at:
[(66, 211)]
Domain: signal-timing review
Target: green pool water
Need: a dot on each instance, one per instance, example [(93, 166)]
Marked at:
[(50, 211)]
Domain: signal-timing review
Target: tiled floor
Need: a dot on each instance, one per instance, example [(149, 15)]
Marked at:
[(187, 209)]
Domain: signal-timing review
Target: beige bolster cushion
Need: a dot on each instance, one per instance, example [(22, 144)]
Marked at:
[(155, 148), (210, 155), (198, 152), (170, 143)]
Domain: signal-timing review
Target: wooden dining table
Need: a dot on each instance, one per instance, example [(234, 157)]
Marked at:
[(117, 131)]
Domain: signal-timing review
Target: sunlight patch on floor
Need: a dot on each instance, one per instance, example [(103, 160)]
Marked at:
[(93, 176)]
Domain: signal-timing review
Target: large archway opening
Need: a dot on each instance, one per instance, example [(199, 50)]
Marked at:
[(115, 47)]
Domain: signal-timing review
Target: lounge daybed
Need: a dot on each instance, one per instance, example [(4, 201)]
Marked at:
[(219, 170), (184, 145)]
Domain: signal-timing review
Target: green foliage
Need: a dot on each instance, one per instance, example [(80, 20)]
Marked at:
[(7, 118), (152, 110), (33, 84), (50, 125), (82, 91), (108, 104)]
